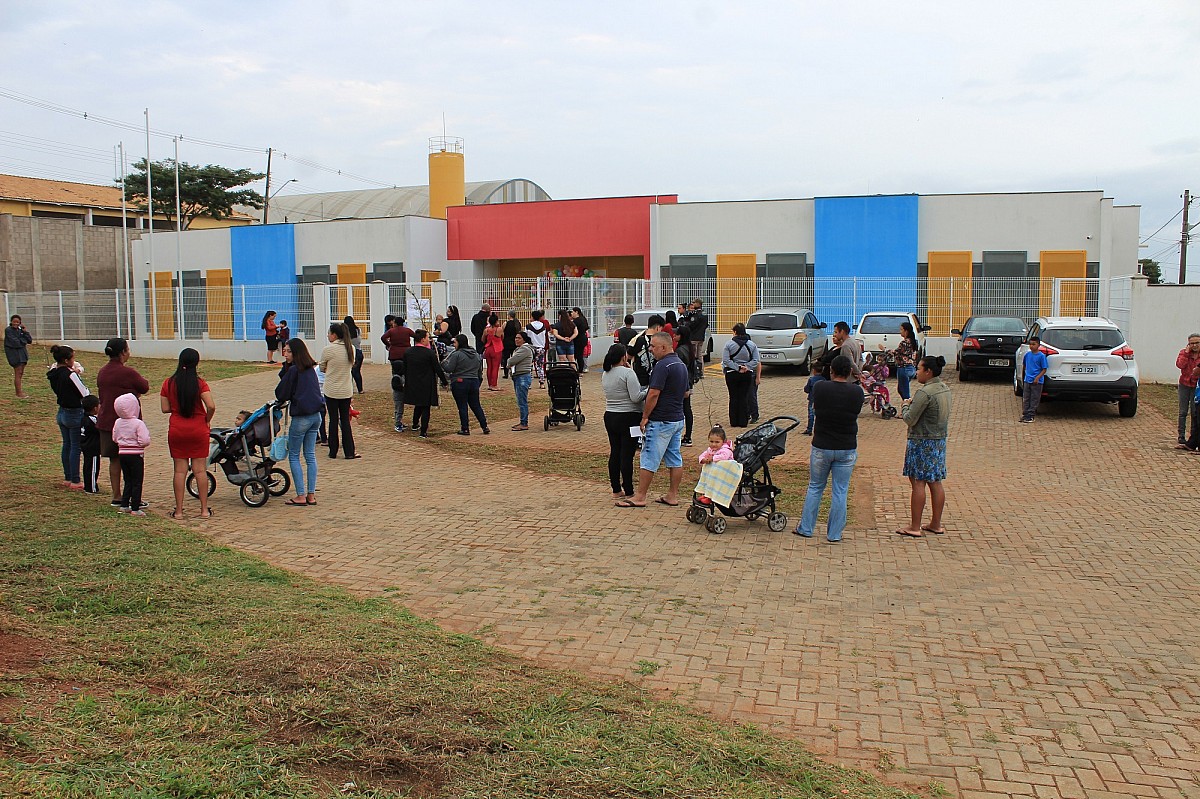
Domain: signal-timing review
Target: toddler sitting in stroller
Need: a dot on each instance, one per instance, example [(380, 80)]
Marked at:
[(874, 385), (719, 449)]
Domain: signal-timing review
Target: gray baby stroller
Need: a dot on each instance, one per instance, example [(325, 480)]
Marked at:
[(244, 455)]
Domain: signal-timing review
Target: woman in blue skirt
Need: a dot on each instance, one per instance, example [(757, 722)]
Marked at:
[(927, 414)]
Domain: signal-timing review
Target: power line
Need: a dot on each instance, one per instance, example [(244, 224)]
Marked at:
[(1164, 224), (47, 105)]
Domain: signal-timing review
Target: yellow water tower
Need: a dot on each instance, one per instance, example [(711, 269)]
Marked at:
[(447, 175)]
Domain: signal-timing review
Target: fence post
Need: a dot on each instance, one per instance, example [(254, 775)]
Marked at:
[(854, 301), (7, 312), (179, 308), (244, 331), (951, 325), (62, 328), (1056, 297), (117, 295)]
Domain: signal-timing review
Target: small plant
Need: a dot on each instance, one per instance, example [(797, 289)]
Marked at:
[(647, 667), (959, 707), (885, 763), (935, 788), (991, 737)]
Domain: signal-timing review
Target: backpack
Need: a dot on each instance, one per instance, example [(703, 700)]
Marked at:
[(641, 359)]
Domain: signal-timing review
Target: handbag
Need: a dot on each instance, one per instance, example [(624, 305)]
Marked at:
[(279, 444)]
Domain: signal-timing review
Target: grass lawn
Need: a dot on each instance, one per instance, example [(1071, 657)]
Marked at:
[(137, 659)]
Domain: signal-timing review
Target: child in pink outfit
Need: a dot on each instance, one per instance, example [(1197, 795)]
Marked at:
[(131, 436), (719, 449)]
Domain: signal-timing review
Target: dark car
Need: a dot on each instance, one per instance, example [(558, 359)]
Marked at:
[(989, 343)]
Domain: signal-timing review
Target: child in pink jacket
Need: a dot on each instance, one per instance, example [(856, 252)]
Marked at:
[(719, 449), (131, 436)]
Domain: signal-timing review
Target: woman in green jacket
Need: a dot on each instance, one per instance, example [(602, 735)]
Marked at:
[(927, 414)]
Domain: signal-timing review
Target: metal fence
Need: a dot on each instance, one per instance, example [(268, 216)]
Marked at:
[(236, 313), (1120, 304)]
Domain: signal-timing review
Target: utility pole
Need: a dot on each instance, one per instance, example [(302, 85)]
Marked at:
[(267, 193), (1183, 240)]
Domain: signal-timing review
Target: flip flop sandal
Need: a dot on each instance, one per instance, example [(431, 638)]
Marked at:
[(663, 501), (908, 534), (296, 504), (625, 503), (929, 529)]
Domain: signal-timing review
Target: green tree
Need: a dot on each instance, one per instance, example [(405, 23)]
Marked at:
[(1151, 269), (203, 190)]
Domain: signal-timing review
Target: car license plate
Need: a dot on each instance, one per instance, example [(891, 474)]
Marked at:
[(1085, 370), (771, 356), (999, 362)]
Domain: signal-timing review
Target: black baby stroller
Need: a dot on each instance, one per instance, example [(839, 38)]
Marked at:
[(244, 454), (562, 381), (755, 494)]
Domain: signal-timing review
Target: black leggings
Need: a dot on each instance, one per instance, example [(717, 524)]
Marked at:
[(421, 418), (133, 472), (621, 447), (339, 423), (687, 418)]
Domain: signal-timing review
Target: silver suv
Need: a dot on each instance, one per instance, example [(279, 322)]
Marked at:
[(1089, 360), (788, 336)]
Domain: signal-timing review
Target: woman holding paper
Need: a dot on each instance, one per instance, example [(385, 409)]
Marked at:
[(623, 400)]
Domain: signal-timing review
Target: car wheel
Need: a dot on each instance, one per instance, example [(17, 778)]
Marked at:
[(1128, 407), (806, 366), (964, 376)]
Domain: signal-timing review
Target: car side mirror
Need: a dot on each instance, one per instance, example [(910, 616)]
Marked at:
[(956, 332), (926, 328), (822, 325), (854, 328)]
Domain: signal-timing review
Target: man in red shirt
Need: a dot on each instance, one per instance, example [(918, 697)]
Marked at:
[(1188, 362)]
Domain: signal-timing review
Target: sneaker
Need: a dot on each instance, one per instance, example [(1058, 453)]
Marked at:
[(464, 432), (487, 431), (807, 432), (687, 442), (116, 503), (399, 428), (797, 531), (137, 513), (1026, 421), (123, 509)]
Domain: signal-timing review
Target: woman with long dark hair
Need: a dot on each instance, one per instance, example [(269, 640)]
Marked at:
[(337, 363), (271, 334), (16, 348), (70, 391), (356, 342), (188, 399), (453, 321), (564, 334), (493, 350), (906, 354), (299, 387), (624, 397), (581, 339)]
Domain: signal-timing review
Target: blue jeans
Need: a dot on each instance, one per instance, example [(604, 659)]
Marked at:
[(521, 384), (813, 379), (903, 375), (821, 463), (69, 421), (303, 436)]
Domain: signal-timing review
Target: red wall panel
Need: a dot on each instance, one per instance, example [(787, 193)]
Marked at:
[(552, 229)]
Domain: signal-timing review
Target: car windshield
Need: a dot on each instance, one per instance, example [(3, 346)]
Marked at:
[(642, 317), (1002, 325), (881, 324), (1083, 338), (772, 321)]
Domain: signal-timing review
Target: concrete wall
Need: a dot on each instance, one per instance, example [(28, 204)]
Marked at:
[(760, 227), (1162, 318), (197, 249), (41, 254), (351, 241)]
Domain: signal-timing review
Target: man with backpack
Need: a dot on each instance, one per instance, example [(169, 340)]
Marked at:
[(641, 358)]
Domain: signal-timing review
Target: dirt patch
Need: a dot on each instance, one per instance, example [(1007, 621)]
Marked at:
[(19, 653)]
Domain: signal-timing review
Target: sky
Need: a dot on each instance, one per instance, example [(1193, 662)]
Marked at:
[(707, 100)]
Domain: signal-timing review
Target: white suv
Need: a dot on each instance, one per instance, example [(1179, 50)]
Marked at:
[(880, 330), (1090, 360)]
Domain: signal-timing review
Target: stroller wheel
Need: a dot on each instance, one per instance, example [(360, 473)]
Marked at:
[(695, 515), (278, 482), (546, 423), (777, 521), (715, 524), (254, 493), (889, 412), (193, 491), (578, 421)]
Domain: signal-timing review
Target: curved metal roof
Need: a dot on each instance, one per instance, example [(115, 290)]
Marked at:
[(397, 201)]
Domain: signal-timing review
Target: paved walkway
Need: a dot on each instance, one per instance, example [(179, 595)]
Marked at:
[(1046, 646)]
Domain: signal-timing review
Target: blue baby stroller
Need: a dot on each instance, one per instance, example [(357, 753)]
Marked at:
[(244, 455)]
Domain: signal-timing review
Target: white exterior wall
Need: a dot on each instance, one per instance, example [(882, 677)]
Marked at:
[(760, 227), (350, 241), (427, 250), (1026, 222), (200, 249), (1126, 221), (1162, 318)]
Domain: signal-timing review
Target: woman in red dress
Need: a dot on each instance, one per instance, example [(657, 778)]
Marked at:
[(493, 350), (187, 398)]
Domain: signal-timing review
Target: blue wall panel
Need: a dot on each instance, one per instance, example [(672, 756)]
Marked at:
[(864, 237), (262, 255)]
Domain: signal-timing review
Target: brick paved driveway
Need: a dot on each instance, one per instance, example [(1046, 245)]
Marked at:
[(1046, 646)]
